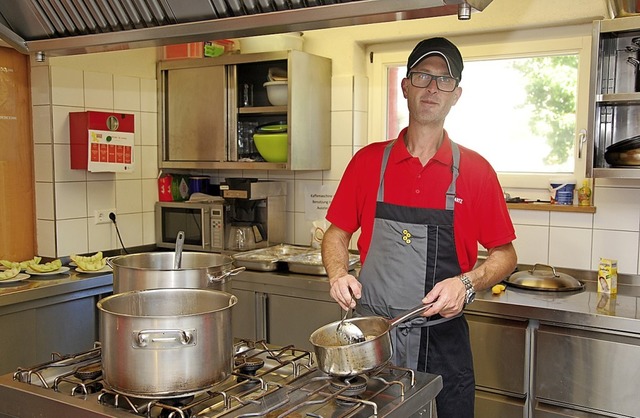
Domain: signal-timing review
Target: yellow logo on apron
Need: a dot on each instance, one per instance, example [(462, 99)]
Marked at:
[(406, 236)]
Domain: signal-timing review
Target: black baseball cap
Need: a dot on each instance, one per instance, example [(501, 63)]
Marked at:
[(437, 46)]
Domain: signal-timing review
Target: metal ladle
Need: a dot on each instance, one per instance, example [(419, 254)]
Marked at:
[(349, 333), (177, 259)]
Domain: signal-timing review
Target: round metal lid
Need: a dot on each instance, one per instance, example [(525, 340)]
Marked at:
[(546, 280)]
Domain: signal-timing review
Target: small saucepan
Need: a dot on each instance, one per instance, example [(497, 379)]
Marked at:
[(338, 360)]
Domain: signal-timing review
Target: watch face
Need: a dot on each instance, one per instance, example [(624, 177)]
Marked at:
[(470, 297)]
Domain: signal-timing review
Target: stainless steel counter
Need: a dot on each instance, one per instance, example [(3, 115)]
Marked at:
[(39, 287), (582, 308), (585, 308)]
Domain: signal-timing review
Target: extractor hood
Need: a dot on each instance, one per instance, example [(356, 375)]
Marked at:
[(65, 27)]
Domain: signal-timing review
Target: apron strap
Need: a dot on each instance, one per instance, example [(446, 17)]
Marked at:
[(383, 167), (455, 170)]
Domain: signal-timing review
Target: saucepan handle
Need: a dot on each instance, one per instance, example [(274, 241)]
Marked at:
[(232, 272), (410, 314), (164, 338)]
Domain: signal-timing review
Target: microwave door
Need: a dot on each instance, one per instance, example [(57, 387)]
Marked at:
[(188, 220)]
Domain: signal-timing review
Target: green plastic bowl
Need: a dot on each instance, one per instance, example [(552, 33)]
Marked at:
[(273, 147)]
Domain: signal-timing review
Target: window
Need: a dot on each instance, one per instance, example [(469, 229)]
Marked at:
[(520, 106)]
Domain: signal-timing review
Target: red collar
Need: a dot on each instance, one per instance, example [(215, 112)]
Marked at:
[(400, 153)]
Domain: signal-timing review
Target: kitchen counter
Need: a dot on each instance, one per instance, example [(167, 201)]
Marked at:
[(585, 307), (581, 308), (39, 287)]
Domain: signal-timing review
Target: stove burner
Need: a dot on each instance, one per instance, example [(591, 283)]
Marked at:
[(247, 366), (170, 407), (351, 387), (90, 372)]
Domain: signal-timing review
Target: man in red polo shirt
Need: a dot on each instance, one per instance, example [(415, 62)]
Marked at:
[(422, 204)]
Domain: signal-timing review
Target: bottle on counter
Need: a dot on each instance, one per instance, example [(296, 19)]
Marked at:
[(584, 194)]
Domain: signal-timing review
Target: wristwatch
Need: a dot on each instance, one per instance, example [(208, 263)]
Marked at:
[(470, 295)]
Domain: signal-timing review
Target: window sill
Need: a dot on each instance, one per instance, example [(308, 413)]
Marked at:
[(552, 208)]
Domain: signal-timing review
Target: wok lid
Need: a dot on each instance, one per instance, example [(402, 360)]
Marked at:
[(546, 280)]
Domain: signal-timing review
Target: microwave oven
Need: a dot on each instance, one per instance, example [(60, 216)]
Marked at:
[(203, 224)]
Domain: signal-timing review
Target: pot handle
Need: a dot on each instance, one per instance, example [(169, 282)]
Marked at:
[(164, 338), (232, 272), (410, 314), (553, 269)]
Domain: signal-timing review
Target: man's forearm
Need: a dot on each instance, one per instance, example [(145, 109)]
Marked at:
[(498, 265), (335, 252)]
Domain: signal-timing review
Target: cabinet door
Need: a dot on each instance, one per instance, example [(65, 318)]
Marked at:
[(68, 327), (18, 348), (542, 410), (243, 315), (499, 349), (195, 115), (291, 320), (589, 369), (492, 405)]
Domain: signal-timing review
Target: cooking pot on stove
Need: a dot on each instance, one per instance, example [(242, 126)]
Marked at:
[(544, 277), (198, 270), (345, 360), (166, 343)]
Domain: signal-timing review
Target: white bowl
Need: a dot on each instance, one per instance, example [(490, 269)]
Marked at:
[(277, 92), (268, 43)]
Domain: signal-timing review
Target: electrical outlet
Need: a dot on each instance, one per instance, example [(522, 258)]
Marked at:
[(101, 216)]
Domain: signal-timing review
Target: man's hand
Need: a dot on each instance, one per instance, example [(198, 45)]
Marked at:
[(340, 287), (447, 297)]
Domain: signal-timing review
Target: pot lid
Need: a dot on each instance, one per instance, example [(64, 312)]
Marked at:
[(544, 279), (625, 145)]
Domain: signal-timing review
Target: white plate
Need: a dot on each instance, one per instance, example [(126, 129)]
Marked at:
[(61, 270), (105, 269), (20, 277)]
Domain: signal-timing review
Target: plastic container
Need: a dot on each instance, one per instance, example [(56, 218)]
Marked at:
[(562, 191), (272, 142), (277, 92), (199, 184), (268, 43)]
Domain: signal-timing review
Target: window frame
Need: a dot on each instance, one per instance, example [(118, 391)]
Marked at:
[(527, 43)]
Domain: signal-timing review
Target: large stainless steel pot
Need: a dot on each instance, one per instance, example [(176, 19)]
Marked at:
[(336, 359), (156, 271), (166, 343)]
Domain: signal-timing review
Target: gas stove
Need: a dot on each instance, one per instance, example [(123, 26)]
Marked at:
[(267, 381)]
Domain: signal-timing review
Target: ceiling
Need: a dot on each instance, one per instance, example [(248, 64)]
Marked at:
[(66, 27)]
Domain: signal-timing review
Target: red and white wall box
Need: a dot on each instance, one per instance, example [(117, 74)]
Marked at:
[(102, 141)]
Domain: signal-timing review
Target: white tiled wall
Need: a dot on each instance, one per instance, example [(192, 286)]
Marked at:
[(578, 240), (66, 198)]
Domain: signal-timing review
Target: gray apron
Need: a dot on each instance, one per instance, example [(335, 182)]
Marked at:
[(411, 250)]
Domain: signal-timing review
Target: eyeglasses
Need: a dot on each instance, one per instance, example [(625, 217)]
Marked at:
[(422, 80)]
